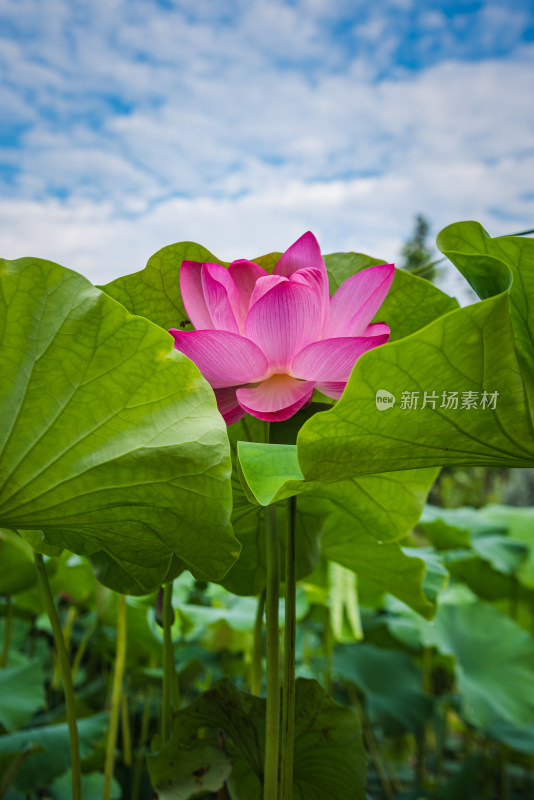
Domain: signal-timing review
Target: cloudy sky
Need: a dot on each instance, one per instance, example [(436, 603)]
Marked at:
[(131, 124)]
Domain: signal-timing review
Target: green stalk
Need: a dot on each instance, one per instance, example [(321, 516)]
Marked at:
[(256, 667), (272, 720), (171, 692), (7, 633), (288, 693), (68, 687), (116, 692), (81, 650), (126, 732), (143, 736), (70, 618)]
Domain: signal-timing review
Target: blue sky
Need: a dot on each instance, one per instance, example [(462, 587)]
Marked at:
[(130, 124)]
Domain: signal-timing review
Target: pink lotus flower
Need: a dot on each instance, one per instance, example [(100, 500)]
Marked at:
[(265, 341)]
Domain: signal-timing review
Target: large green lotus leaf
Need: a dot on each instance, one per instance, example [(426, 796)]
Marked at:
[(487, 263), (362, 517), (390, 682), (110, 439), (41, 768), (471, 349), (154, 292), (468, 350), (329, 761), (494, 661)]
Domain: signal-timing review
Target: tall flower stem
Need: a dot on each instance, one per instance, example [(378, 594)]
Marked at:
[(70, 699), (272, 721), (256, 668), (288, 692), (171, 693), (116, 693), (7, 632)]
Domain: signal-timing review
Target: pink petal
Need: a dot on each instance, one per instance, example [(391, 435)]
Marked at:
[(332, 359), (228, 405), (264, 285), (318, 282), (225, 359), (221, 296), (193, 295), (377, 329), (245, 274), (275, 399), (357, 300), (305, 252), (333, 389), (283, 321)]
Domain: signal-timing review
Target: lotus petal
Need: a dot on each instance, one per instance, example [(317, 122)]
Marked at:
[(225, 359), (332, 359), (357, 300), (275, 399)]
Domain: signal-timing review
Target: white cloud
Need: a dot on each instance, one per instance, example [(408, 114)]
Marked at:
[(241, 133)]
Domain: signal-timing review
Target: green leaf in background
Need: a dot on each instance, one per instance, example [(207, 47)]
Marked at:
[(467, 350), (18, 570), (449, 528), (478, 574), (390, 682), (92, 787), (329, 760), (21, 694), (518, 737), (494, 661), (53, 757), (154, 292), (111, 441), (477, 547), (10, 764), (519, 522), (181, 773)]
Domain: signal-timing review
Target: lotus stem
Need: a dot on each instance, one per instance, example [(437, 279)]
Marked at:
[(70, 699), (116, 693), (171, 692), (288, 692), (256, 668), (126, 732), (7, 633), (72, 613), (143, 736), (272, 721)]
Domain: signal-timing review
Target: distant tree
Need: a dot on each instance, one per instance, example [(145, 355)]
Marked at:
[(418, 256)]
